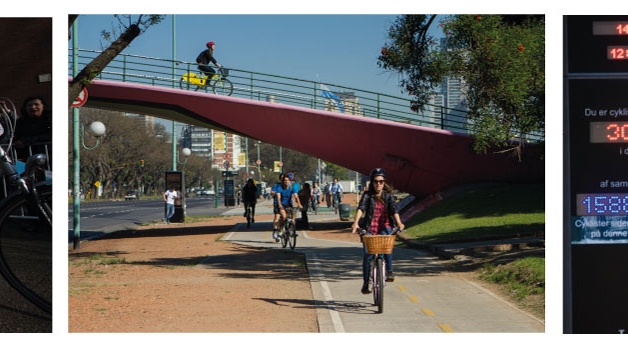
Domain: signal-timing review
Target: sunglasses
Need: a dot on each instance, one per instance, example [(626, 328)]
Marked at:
[(379, 182)]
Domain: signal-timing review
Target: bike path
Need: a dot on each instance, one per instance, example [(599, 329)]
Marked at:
[(420, 300)]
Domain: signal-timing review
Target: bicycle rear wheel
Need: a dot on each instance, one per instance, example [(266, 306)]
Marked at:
[(222, 87), (292, 231), (185, 84), (248, 218), (379, 281), (26, 248)]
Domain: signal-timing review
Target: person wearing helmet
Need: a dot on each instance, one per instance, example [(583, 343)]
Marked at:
[(378, 205), (205, 57)]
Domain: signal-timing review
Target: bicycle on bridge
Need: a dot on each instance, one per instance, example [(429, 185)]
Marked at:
[(378, 245), (26, 226), (218, 82)]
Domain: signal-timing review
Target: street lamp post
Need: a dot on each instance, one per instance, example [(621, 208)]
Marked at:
[(78, 140), (186, 153), (98, 130)]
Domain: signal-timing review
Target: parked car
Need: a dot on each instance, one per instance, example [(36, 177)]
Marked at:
[(131, 195)]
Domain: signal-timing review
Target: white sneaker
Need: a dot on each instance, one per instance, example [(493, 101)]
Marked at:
[(275, 236)]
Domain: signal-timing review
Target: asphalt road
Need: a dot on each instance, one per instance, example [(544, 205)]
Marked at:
[(103, 217)]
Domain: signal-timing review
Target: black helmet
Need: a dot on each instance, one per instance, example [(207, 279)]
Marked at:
[(378, 172)]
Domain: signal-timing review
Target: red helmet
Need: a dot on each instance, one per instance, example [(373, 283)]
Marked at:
[(210, 44)]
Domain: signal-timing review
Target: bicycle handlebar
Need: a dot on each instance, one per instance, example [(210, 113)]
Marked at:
[(394, 231)]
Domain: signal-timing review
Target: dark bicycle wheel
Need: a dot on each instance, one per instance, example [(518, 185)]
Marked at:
[(292, 231), (284, 236), (222, 86), (26, 248), (379, 281)]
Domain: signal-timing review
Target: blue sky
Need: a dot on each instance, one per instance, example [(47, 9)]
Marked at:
[(341, 49)]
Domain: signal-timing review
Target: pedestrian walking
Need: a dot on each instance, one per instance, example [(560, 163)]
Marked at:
[(328, 195), (304, 197)]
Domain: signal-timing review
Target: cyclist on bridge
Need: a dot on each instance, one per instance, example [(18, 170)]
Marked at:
[(205, 57), (249, 197), (378, 205)]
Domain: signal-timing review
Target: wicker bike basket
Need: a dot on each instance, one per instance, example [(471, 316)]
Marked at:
[(379, 244)]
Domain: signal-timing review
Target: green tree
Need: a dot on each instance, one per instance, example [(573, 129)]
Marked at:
[(129, 28), (500, 59)]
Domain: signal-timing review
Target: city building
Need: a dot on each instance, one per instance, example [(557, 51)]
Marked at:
[(147, 120), (350, 104), (218, 146)]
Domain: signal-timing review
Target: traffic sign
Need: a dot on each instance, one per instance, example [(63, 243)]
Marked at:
[(97, 183), (226, 164), (280, 163), (258, 162), (80, 99)]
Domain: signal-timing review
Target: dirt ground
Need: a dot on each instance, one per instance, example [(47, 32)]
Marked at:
[(151, 280)]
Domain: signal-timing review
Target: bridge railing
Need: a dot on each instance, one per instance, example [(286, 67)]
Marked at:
[(279, 89)]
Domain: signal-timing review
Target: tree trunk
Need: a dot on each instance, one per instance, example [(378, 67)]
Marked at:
[(96, 66)]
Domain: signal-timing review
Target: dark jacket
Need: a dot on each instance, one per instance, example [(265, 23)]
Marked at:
[(205, 57), (249, 194), (367, 205)]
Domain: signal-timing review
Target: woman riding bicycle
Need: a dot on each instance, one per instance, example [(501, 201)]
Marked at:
[(249, 197), (205, 57), (378, 205)]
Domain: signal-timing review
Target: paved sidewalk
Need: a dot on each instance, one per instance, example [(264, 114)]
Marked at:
[(420, 300)]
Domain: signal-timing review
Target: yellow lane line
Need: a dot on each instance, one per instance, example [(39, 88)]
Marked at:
[(402, 288), (428, 312), (446, 328), (413, 298)]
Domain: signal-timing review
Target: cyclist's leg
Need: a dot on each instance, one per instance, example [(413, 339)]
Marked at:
[(252, 206), (366, 268), (388, 257)]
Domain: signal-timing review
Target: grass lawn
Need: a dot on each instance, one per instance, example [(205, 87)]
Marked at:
[(484, 212)]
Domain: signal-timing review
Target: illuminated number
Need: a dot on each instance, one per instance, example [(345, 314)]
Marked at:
[(623, 132), (587, 203), (622, 29), (614, 208), (618, 53), (625, 207), (600, 208), (617, 132)]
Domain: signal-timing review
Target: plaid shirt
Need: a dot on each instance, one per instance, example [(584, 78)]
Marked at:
[(380, 218)]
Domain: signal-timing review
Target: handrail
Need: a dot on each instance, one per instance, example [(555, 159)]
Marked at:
[(288, 90)]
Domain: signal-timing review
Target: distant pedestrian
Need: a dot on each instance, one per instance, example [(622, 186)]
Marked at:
[(328, 194), (304, 197), (169, 197)]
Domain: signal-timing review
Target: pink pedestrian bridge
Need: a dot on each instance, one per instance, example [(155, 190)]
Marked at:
[(419, 160)]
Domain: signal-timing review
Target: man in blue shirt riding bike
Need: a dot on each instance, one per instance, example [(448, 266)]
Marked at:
[(285, 195)]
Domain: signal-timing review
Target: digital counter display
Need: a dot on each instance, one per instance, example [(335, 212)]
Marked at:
[(617, 52), (609, 132), (602, 204), (610, 28)]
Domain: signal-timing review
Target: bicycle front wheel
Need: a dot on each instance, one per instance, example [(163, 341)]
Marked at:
[(26, 248), (222, 87), (292, 231), (284, 237), (380, 285)]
